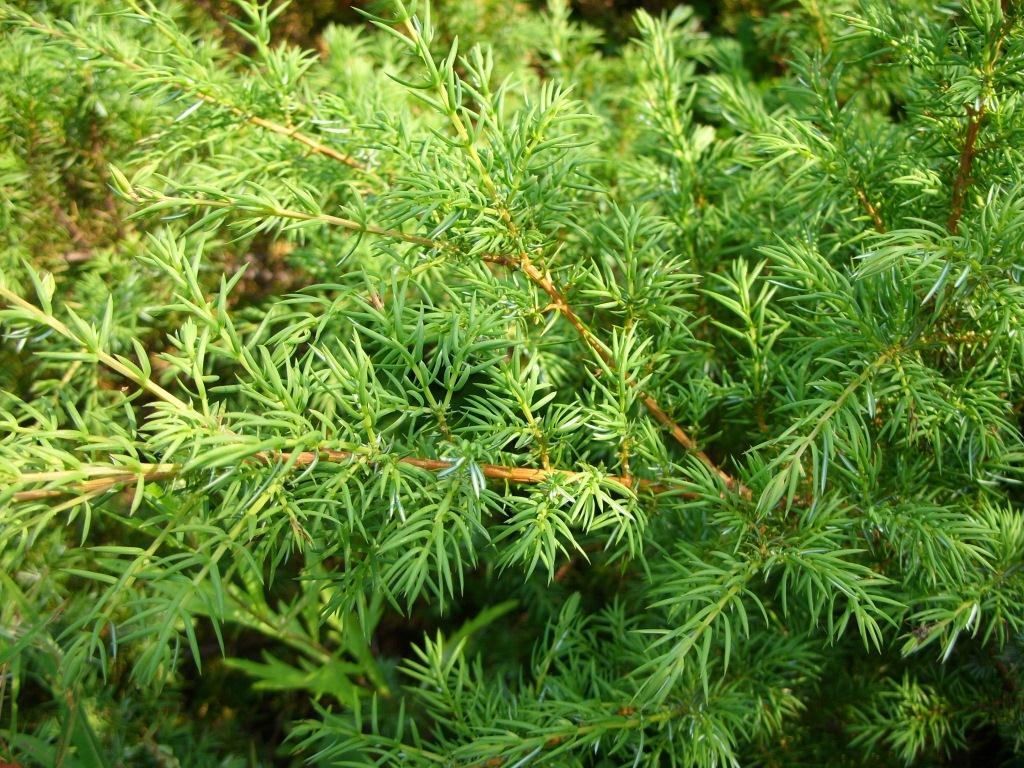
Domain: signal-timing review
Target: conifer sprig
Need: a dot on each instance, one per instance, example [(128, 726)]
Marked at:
[(165, 79), (482, 390)]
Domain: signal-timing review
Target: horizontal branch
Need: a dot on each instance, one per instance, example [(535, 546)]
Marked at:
[(151, 195), (107, 480), (111, 477), (626, 717)]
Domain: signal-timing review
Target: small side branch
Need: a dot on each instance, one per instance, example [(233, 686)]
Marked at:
[(871, 210), (288, 132), (975, 115)]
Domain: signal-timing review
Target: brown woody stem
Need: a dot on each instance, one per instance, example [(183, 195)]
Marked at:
[(292, 133), (109, 478), (975, 116), (559, 302), (871, 209), (963, 174)]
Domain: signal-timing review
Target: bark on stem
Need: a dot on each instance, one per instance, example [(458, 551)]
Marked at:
[(112, 478), (559, 302), (963, 174)]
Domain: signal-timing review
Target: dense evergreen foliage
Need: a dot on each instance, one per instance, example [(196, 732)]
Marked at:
[(483, 390)]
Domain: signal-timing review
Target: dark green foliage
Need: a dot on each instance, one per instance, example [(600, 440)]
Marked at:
[(476, 391)]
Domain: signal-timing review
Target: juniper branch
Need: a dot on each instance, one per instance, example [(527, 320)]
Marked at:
[(289, 132), (975, 116), (314, 459), (526, 265), (110, 477), (963, 174), (523, 262)]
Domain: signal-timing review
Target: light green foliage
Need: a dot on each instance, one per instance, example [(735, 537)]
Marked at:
[(477, 392)]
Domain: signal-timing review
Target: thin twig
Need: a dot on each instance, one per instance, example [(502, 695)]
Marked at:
[(104, 357), (871, 209), (559, 302), (963, 174), (292, 133), (975, 116), (110, 477)]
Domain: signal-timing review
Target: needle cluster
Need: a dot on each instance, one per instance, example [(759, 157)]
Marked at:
[(477, 391)]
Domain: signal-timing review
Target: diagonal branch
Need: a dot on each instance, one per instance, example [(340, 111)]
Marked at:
[(560, 303), (523, 262), (289, 132), (872, 211), (112, 362)]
